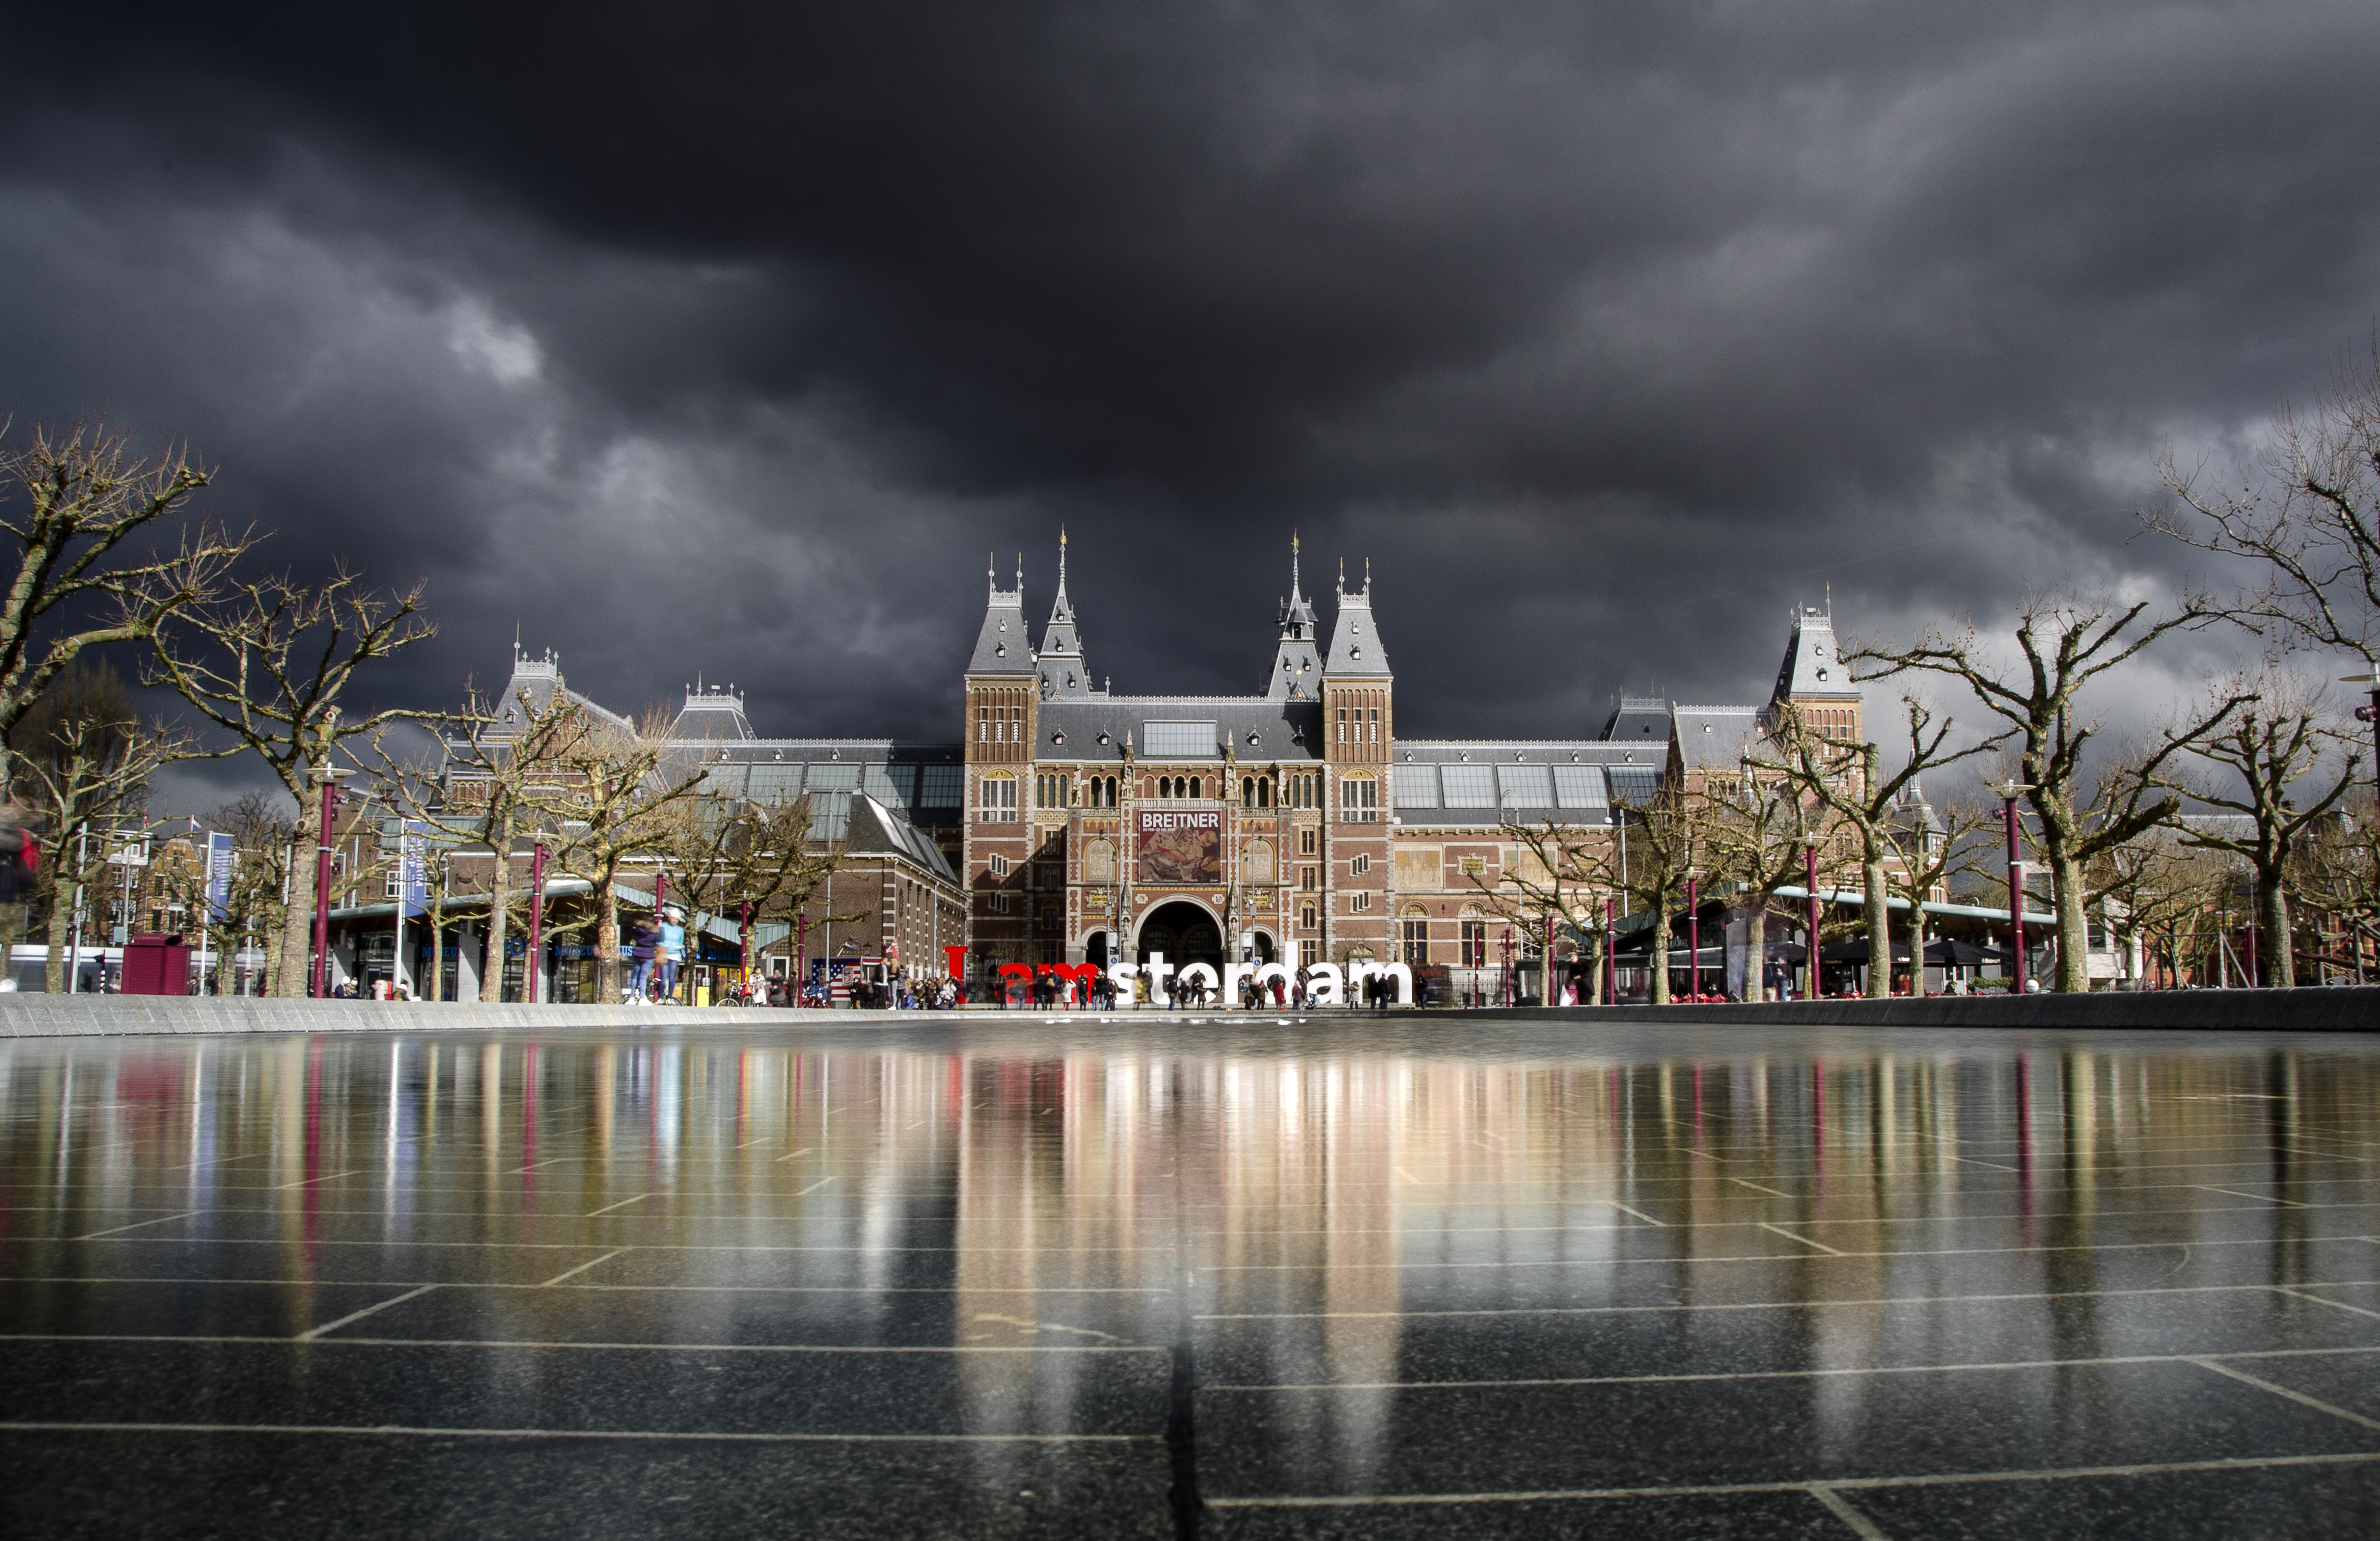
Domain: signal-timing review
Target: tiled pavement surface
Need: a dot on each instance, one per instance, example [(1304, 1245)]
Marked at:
[(1193, 1279)]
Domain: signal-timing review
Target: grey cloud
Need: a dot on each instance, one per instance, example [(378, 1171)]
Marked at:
[(729, 342)]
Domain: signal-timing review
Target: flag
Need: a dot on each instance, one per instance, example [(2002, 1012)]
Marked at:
[(412, 887), (220, 861)]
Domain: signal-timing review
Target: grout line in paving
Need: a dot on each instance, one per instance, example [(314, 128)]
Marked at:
[(1803, 1240), (803, 1151), (1759, 1189), (136, 1225), (326, 1177), (1937, 1479), (1842, 1373), (1840, 1507), (399, 1431), (560, 1344), (315, 1334), (2339, 1304), (1638, 1213), (609, 1207), (2299, 1397), (2291, 1203), (814, 1187), (1797, 1305), (581, 1268)]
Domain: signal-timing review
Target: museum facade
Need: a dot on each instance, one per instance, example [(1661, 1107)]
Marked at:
[(1292, 824)]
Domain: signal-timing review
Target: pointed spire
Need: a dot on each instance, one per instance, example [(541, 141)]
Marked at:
[(1063, 674), (991, 572), (1295, 663)]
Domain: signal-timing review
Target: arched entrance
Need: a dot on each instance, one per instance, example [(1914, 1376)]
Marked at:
[(1264, 946), (1095, 948), (1184, 932)]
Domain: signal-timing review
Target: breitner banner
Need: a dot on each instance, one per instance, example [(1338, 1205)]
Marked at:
[(1181, 849)]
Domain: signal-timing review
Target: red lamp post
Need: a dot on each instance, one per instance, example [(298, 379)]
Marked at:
[(1611, 953), (1693, 943), (530, 970), (1508, 965), (1810, 887), (331, 776), (2010, 792)]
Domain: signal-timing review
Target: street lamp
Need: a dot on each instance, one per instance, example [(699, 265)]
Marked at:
[(2010, 792), (1694, 941), (332, 777)]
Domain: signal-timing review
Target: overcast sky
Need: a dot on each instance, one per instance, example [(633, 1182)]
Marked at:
[(729, 338)]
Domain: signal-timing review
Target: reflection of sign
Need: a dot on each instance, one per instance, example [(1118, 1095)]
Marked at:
[(1181, 848)]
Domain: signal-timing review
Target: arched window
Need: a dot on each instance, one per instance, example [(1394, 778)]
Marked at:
[(1415, 934), (1474, 924), (1194, 786)]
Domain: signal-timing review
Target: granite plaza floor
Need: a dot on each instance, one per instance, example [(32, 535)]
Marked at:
[(1107, 1277)]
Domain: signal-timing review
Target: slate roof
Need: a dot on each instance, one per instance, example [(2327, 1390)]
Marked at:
[(1258, 728), (1638, 718), (1001, 647), (1297, 662), (1811, 667), (711, 714), (1356, 649), (1717, 737), (535, 680), (876, 830), (1065, 673)]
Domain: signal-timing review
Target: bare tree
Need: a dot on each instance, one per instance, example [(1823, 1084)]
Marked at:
[(2310, 524), (507, 772), (2270, 733), (270, 661), (2066, 642), (1549, 886), (259, 828), (81, 495), (725, 851), (2337, 872), (85, 761), (1930, 846), (1759, 827), (1662, 840), (619, 811), (1848, 780)]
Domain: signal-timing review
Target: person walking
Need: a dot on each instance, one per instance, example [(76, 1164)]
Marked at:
[(643, 935), (670, 953)]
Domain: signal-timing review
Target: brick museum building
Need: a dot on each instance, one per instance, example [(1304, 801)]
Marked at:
[(1293, 823), (1070, 824)]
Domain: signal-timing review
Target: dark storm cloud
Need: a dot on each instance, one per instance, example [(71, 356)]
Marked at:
[(724, 338)]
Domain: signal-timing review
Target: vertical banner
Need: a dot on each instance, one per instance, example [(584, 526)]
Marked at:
[(219, 868), (1181, 849), (412, 887)]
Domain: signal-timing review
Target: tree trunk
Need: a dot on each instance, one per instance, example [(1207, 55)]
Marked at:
[(607, 939), (1659, 956), (1879, 928), (1756, 952), (499, 895), (292, 981), (2073, 933), (1916, 946), (54, 975), (2275, 958), (1595, 982), (437, 942)]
